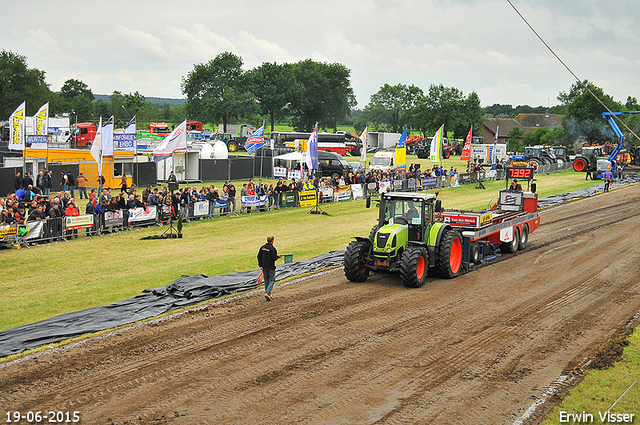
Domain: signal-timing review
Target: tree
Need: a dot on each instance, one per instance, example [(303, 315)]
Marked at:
[(19, 83), (515, 140), (391, 107), (322, 94), (78, 99), (583, 112), (273, 87), (217, 90), (447, 105)]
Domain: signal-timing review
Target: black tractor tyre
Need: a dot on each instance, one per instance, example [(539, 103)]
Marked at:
[(511, 247), (476, 256), (414, 266), (449, 254), (524, 238), (446, 154), (373, 233), (355, 268), (232, 146)]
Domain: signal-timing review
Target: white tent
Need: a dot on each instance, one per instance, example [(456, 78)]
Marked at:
[(291, 156)]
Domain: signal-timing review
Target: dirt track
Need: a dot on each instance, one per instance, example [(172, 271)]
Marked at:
[(479, 349)]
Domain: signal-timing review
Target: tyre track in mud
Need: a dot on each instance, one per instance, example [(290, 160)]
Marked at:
[(476, 349)]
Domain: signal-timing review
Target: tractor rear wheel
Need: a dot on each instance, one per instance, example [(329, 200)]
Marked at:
[(414, 266), (510, 247), (580, 165), (232, 146), (355, 268), (446, 154), (449, 254), (524, 238)]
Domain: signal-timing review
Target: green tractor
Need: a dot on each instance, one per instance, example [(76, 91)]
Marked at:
[(407, 239)]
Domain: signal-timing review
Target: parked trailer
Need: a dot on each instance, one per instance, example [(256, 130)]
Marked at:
[(417, 237)]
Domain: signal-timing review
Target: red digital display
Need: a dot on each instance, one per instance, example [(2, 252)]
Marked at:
[(520, 173)]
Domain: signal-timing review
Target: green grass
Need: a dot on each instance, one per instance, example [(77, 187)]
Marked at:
[(44, 281), (601, 388)]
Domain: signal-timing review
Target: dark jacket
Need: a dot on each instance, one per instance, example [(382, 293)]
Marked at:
[(267, 256)]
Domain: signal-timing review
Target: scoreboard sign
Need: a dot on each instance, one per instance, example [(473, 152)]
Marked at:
[(520, 173)]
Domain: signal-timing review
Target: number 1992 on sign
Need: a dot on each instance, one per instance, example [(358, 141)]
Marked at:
[(50, 417)]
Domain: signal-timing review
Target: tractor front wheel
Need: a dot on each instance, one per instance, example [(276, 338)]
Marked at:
[(355, 268), (580, 165), (449, 254), (232, 146), (414, 266)]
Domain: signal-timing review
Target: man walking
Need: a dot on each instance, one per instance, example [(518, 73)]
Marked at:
[(267, 257)]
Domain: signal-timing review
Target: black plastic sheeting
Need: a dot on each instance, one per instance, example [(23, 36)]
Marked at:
[(189, 290), (586, 193), (184, 291)]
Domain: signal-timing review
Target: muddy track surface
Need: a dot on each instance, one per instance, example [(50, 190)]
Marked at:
[(479, 349)]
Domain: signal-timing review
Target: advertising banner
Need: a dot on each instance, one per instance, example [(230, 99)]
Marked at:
[(78, 222), (429, 182), (342, 193), (308, 198), (254, 200), (295, 174), (124, 142), (6, 232), (384, 187), (279, 172), (137, 215), (326, 194), (113, 218), (357, 191), (288, 199), (34, 229), (200, 208)]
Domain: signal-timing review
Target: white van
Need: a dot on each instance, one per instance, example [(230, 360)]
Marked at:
[(383, 161)]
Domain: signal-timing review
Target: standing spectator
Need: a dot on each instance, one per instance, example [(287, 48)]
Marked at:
[(47, 181), (145, 194), (82, 185), (71, 181), (40, 181), (267, 257), (231, 191), (608, 176), (17, 182), (123, 183), (72, 211), (101, 182), (27, 180), (64, 182)]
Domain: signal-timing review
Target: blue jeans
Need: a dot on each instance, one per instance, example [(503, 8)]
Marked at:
[(269, 280), (83, 190)]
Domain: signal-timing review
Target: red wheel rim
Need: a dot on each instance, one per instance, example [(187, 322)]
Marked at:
[(455, 256), (420, 268), (579, 165)]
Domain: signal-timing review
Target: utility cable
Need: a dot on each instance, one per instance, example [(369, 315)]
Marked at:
[(570, 71)]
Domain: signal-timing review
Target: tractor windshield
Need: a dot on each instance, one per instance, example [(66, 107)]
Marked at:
[(402, 211)]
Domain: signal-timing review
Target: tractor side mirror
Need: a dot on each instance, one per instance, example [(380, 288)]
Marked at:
[(368, 202), (438, 205)]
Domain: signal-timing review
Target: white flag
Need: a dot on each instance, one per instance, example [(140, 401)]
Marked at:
[(107, 138), (175, 141), (16, 128), (365, 139), (41, 121), (96, 148)]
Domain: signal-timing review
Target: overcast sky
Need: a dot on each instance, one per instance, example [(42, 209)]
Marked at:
[(482, 46)]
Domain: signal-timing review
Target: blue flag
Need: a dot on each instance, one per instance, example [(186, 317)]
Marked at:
[(255, 141)]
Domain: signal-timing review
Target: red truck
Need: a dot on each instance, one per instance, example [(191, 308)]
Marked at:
[(83, 133)]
